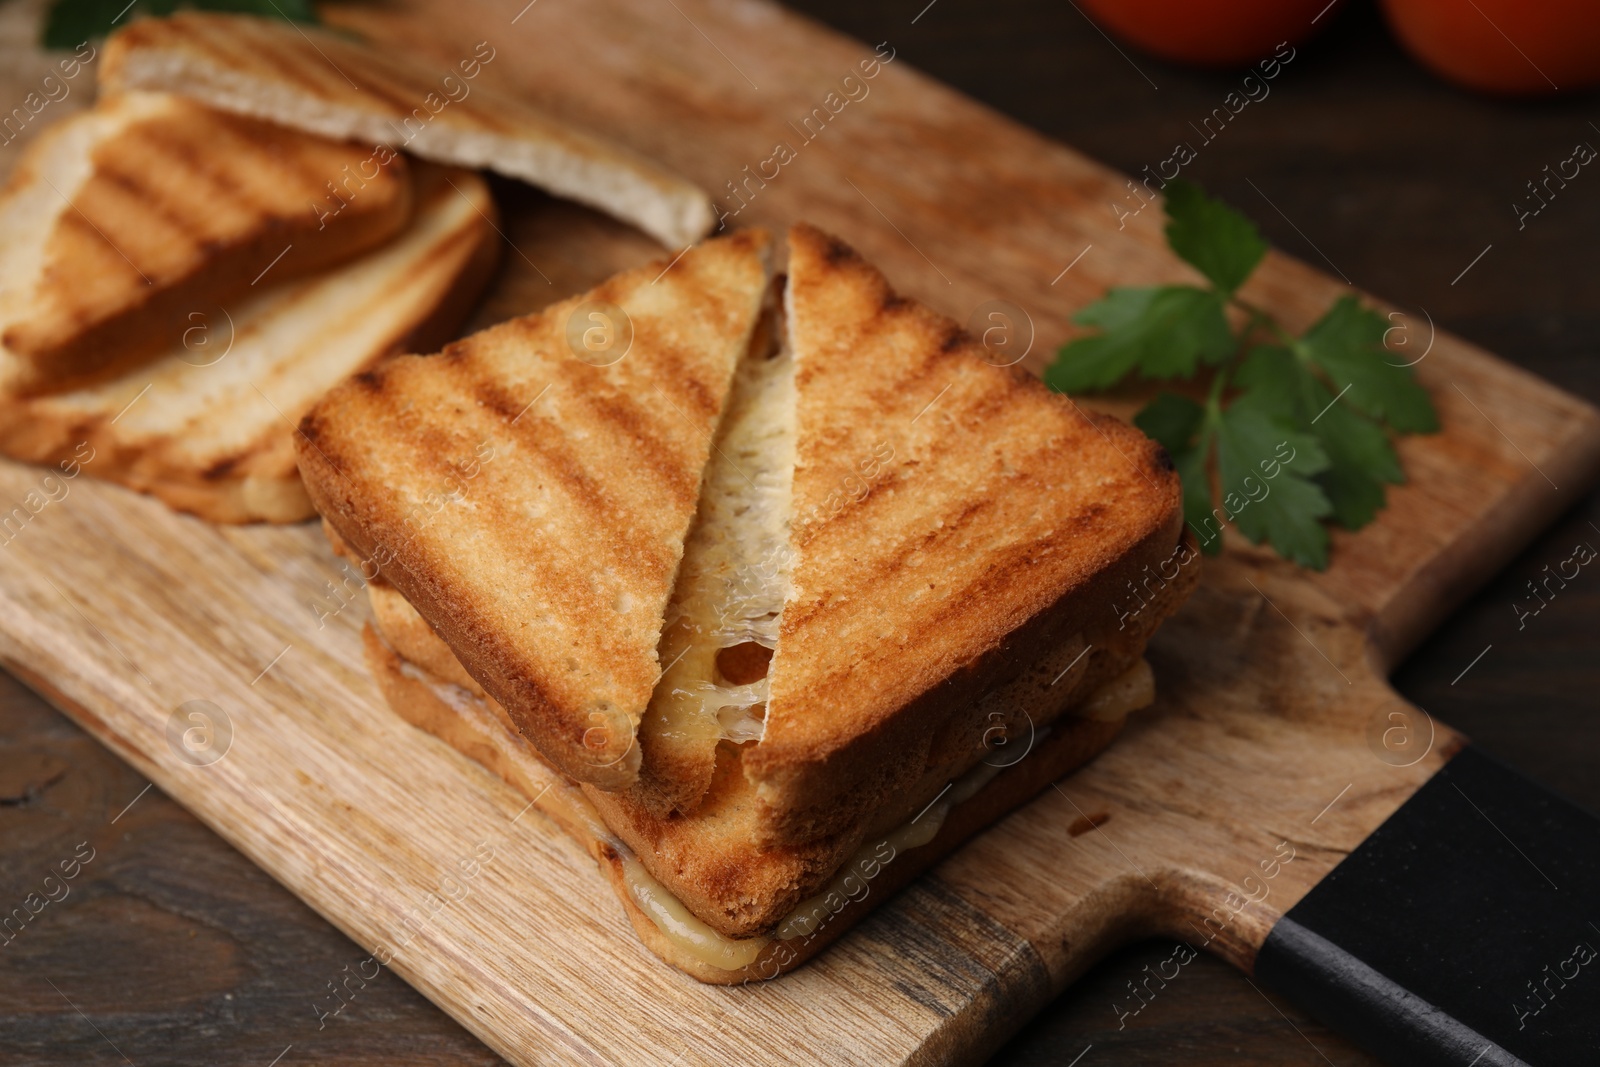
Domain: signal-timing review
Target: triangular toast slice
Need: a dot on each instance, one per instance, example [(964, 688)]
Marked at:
[(207, 426), (340, 87), (125, 224), (952, 520), (531, 497)]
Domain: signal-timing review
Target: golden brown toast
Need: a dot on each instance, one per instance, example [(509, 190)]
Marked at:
[(342, 88), (207, 427), (533, 504), (126, 224), (952, 520), (677, 934)]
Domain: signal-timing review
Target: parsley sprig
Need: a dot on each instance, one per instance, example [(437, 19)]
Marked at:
[(71, 22), (1297, 429)]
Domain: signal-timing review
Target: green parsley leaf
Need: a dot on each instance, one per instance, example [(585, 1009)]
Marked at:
[(1360, 457), (1164, 332), (1360, 461), (1171, 421), (72, 22), (1212, 237), (1347, 343), (1299, 428), (1175, 422), (1264, 469)]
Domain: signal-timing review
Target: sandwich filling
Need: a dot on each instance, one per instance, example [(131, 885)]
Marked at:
[(721, 625)]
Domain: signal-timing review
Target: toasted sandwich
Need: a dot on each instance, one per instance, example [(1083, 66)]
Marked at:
[(342, 88), (896, 556), (207, 425), (128, 223)]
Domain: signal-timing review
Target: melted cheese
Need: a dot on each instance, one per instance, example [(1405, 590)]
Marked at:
[(679, 926), (734, 576), (1125, 694)]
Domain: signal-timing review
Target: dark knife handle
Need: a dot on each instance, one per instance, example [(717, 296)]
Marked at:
[(1464, 932)]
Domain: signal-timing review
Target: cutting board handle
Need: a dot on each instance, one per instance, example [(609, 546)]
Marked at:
[(1465, 930)]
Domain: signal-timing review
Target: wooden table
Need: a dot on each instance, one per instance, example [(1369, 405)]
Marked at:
[(173, 948)]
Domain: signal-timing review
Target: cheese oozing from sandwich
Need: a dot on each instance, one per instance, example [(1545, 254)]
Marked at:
[(732, 583)]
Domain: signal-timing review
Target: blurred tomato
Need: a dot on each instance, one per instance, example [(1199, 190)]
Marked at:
[(1211, 33), (1518, 47)]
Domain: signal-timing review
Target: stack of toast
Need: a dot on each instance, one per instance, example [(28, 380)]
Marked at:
[(249, 214), (772, 611)]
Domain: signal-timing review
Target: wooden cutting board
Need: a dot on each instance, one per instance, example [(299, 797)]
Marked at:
[(1275, 736)]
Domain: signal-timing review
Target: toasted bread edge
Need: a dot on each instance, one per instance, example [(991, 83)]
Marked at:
[(1074, 743)]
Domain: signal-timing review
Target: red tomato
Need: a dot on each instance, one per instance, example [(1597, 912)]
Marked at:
[(1211, 33), (1516, 47)]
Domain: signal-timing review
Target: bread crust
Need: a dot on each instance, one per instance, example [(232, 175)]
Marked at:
[(447, 259), (280, 72), (1004, 521), (480, 736), (541, 539)]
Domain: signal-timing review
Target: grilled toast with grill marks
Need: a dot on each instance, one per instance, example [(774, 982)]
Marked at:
[(127, 223), (998, 521), (206, 427), (533, 504), (342, 88)]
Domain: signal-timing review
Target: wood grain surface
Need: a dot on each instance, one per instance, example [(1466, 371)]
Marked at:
[(121, 611)]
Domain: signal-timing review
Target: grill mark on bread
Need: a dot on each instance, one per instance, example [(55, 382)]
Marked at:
[(684, 388), (229, 55), (300, 72), (493, 397), (183, 229), (208, 446), (256, 147), (313, 79), (1007, 566), (403, 107), (176, 148), (845, 527), (289, 68), (586, 493), (628, 417), (108, 259)]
